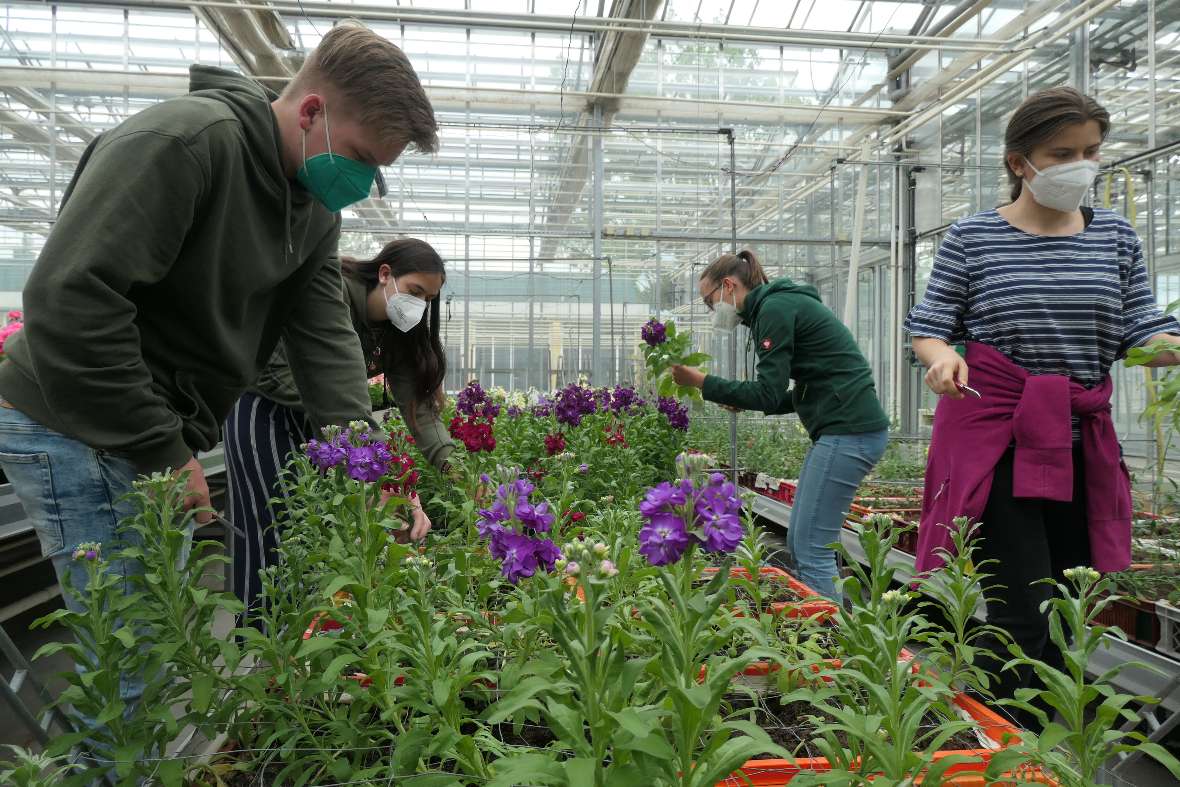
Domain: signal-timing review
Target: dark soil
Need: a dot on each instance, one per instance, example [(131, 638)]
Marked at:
[(533, 733), (788, 725), (536, 736)]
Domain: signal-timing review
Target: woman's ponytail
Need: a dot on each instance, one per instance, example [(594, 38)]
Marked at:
[(743, 266)]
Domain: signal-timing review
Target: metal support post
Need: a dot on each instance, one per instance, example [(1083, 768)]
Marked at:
[(733, 336), (596, 364)]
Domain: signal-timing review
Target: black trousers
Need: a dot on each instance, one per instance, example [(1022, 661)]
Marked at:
[(260, 436), (1030, 539)]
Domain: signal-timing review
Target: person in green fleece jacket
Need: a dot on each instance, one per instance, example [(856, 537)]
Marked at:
[(797, 338), (193, 236), (388, 298)]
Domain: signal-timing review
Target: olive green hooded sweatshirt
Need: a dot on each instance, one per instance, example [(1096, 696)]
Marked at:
[(181, 255), (797, 338)]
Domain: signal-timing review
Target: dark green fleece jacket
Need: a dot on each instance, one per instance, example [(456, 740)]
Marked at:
[(430, 435), (797, 338), (182, 253)]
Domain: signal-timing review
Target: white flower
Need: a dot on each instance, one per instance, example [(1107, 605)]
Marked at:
[(607, 569), (893, 597), (599, 548), (1082, 573)]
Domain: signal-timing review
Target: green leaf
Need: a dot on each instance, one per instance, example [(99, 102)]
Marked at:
[(202, 692), (127, 637), (338, 584), (111, 712), (580, 770), (635, 722), (526, 769), (376, 618), (336, 666), (315, 645), (1162, 756)]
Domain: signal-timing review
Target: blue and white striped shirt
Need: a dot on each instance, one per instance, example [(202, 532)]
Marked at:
[(1055, 305)]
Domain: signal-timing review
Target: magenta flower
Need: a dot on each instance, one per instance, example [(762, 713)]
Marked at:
[(663, 539)]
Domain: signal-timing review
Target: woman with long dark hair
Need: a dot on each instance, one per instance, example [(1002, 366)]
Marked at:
[(1046, 294), (394, 303)]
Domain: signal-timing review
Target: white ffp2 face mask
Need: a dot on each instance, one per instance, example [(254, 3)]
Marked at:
[(404, 310), (1063, 186), (725, 315)]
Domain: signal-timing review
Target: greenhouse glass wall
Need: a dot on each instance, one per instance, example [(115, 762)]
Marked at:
[(596, 155)]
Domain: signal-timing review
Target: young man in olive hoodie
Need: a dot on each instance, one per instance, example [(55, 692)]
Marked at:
[(193, 236)]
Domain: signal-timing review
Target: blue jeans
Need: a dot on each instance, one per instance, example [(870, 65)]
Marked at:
[(832, 470), (72, 493)]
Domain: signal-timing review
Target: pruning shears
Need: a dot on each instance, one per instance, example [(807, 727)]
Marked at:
[(967, 389)]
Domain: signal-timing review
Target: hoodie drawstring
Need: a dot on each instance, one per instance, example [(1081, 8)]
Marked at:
[(287, 222)]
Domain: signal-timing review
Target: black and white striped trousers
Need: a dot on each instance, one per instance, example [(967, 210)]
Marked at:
[(260, 436)]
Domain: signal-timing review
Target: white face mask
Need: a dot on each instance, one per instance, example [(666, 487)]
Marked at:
[(404, 310), (725, 315), (1063, 186)]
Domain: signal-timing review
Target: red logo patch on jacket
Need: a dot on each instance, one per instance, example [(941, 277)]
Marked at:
[(766, 344)]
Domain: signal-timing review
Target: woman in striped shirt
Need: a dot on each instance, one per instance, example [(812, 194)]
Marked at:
[(1047, 295)]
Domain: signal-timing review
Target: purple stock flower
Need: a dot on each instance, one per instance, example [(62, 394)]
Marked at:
[(723, 530), (675, 412), (574, 402), (470, 397), (512, 524), (513, 411), (491, 520), (519, 556), (663, 539), (543, 408), (654, 332), (679, 515), (368, 462), (537, 517), (583, 468), (547, 553), (324, 454), (523, 487), (661, 496), (624, 398)]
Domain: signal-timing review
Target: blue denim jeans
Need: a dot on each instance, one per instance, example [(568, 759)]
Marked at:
[(72, 493), (832, 470)]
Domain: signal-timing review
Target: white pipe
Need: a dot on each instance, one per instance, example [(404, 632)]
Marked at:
[(858, 221), (590, 24)]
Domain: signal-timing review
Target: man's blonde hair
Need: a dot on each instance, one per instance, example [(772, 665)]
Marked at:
[(377, 82)]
